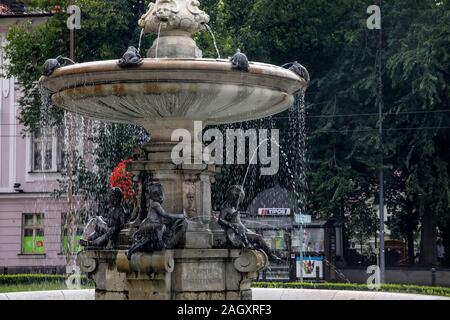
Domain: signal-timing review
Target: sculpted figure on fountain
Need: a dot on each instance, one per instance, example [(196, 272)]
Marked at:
[(103, 231), (237, 234), (160, 230)]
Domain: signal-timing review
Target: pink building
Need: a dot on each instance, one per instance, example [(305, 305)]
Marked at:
[(31, 221)]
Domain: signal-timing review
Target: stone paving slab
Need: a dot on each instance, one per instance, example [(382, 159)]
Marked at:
[(50, 295), (311, 294)]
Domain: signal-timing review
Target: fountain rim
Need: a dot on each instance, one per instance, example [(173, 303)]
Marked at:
[(165, 64), (93, 80)]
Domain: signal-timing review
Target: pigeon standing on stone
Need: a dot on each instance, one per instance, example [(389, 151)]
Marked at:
[(240, 61), (51, 65), (300, 70), (130, 58)]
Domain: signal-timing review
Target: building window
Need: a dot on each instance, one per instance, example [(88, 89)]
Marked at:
[(275, 239), (33, 233), (47, 151), (313, 240), (65, 233)]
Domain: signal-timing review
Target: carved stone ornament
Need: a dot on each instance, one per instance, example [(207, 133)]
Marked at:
[(86, 262), (237, 234), (177, 17)]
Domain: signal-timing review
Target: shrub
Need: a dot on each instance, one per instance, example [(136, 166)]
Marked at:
[(16, 279)]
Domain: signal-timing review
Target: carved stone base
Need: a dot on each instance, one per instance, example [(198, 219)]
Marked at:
[(125, 238), (100, 266), (188, 274), (198, 236)]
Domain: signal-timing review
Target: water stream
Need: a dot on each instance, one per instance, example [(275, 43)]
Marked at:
[(67, 59), (140, 41), (157, 40), (214, 40)]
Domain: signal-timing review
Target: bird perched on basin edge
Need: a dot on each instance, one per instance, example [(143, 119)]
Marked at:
[(301, 71), (130, 58), (51, 65), (240, 61)]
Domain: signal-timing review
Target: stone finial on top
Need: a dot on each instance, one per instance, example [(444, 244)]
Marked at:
[(175, 21), (177, 16)]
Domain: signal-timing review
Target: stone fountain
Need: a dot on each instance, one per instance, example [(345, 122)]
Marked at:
[(170, 89)]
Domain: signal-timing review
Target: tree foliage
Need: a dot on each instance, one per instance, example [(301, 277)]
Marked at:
[(331, 39)]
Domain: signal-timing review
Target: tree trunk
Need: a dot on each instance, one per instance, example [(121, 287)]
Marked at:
[(410, 244), (411, 224), (446, 243), (428, 247)]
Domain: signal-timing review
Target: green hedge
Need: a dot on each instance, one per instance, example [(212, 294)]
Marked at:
[(15, 279), (397, 288)]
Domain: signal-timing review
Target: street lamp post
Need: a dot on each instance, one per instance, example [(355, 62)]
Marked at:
[(72, 38), (301, 251), (379, 64), (302, 219)]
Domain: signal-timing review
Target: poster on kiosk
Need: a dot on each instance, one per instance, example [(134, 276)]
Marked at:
[(310, 265)]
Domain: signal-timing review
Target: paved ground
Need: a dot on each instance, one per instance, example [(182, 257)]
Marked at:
[(50, 295), (258, 294), (311, 294)]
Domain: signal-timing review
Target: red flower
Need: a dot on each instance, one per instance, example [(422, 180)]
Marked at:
[(121, 178)]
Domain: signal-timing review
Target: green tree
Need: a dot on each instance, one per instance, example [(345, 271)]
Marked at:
[(418, 70), (332, 40), (108, 28), (404, 219)]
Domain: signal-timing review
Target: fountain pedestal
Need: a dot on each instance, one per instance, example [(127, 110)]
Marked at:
[(195, 272), (188, 274)]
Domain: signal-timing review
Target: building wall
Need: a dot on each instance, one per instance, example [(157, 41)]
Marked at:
[(15, 167), (11, 209)]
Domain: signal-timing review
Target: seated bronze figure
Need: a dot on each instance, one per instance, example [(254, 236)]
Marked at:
[(237, 234), (103, 231), (160, 230)]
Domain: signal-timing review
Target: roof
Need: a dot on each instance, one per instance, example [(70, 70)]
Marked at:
[(11, 8)]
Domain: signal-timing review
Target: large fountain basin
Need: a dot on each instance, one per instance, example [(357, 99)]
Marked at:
[(173, 89)]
